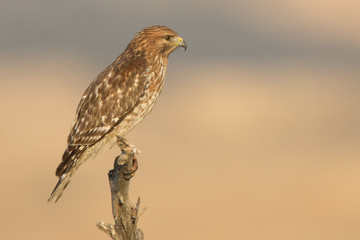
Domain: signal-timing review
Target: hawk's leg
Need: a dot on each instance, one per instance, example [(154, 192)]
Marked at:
[(126, 146), (128, 151)]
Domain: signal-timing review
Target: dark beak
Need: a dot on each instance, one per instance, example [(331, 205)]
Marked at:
[(182, 43)]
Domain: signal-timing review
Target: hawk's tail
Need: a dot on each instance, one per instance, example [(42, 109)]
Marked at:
[(71, 160)]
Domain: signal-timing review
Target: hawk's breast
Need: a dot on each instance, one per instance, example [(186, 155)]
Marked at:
[(146, 102)]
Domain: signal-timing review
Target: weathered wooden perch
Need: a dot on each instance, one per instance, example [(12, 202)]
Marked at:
[(125, 214)]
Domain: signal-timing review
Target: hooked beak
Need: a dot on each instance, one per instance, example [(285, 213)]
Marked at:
[(182, 43)]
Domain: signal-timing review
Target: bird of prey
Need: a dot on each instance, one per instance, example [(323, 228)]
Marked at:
[(118, 99)]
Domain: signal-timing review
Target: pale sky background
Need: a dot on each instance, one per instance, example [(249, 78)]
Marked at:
[(266, 31), (255, 136)]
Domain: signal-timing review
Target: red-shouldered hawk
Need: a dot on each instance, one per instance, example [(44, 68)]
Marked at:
[(118, 99)]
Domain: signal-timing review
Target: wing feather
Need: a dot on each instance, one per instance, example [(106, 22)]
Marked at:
[(108, 100)]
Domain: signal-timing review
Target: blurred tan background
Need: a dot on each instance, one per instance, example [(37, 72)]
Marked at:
[(255, 136)]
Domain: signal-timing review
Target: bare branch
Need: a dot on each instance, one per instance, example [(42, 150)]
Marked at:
[(125, 214)]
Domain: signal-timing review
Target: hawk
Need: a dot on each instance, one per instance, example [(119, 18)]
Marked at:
[(119, 98)]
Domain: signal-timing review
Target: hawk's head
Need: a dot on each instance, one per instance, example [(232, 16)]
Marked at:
[(157, 40)]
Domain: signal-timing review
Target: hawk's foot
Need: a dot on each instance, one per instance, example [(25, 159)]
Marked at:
[(127, 164), (132, 170)]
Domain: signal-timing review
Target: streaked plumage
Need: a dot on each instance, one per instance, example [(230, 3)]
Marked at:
[(118, 99)]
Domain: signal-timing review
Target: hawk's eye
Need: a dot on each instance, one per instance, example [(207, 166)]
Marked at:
[(168, 37)]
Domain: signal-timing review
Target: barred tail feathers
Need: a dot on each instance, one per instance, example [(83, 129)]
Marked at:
[(71, 160), (60, 187)]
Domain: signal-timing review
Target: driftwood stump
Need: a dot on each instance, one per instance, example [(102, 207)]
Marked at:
[(124, 212)]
